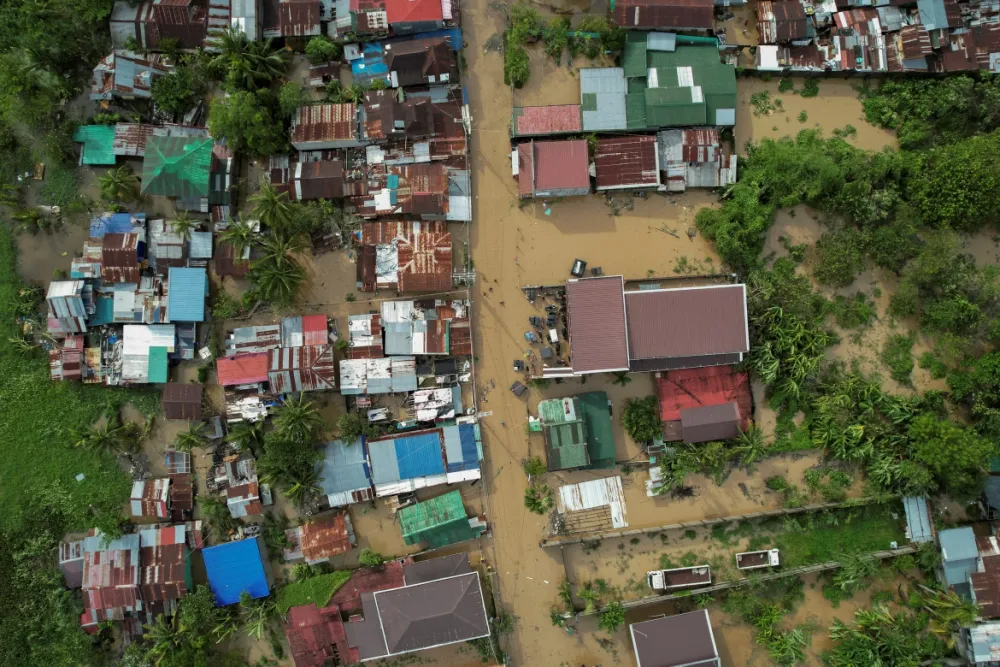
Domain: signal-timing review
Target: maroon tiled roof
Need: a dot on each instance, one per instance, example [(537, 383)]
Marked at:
[(597, 324), (665, 14), (554, 119), (687, 322), (626, 162)]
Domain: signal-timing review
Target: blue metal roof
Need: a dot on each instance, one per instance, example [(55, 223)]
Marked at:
[(461, 447), (235, 567), (345, 467), (918, 520), (187, 288), (105, 312), (407, 457), (116, 223), (959, 554)]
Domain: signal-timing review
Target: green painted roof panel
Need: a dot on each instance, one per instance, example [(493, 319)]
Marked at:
[(437, 522), (600, 436), (177, 167), (98, 143), (634, 56), (157, 365)]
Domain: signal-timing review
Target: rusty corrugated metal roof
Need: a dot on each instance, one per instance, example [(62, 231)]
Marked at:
[(306, 368), (596, 311), (698, 14), (299, 18), (120, 258), (553, 119), (325, 537), (424, 253), (324, 122), (623, 162), (182, 401)]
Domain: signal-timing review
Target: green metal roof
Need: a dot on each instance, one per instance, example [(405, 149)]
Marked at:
[(634, 55), (98, 143), (437, 522), (635, 110), (600, 438), (157, 365), (177, 167), (674, 106)]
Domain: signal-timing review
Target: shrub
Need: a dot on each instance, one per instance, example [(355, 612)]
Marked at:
[(810, 88), (319, 50), (534, 466), (612, 617), (538, 498), (897, 355), (370, 558), (516, 66), (641, 419), (840, 257)]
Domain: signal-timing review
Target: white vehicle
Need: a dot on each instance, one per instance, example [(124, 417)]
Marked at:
[(753, 560), (679, 577)]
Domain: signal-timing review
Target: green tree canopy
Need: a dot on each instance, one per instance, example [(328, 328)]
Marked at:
[(249, 121), (641, 419)]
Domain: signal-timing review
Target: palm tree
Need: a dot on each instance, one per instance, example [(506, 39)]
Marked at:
[(622, 378), (242, 235), (164, 637), (105, 438), (247, 435), (256, 614), (279, 248), (184, 224), (303, 487), (354, 93), (335, 91), (269, 63), (279, 281), (233, 45), (193, 437), (297, 419), (948, 611), (120, 184), (751, 447), (272, 207)]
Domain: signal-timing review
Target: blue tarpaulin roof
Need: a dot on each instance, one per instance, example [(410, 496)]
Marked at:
[(407, 457), (187, 288), (235, 567), (116, 223)]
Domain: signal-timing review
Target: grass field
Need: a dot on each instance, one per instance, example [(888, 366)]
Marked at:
[(38, 465), (318, 590)]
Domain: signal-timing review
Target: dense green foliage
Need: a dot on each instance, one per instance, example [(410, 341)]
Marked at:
[(878, 637), (321, 50), (641, 419), (249, 121)]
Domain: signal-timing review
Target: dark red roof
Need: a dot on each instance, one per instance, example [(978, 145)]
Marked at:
[(242, 369), (554, 119), (665, 14), (547, 166), (318, 180), (182, 401), (622, 162), (119, 258), (697, 387), (597, 324), (687, 322), (227, 265), (412, 11), (368, 580), (986, 587), (317, 636)]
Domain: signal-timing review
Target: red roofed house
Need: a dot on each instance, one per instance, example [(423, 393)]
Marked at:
[(689, 388), (622, 163), (321, 539), (548, 120), (318, 637), (695, 15), (242, 369), (411, 16), (596, 311), (324, 126), (552, 168), (406, 255)]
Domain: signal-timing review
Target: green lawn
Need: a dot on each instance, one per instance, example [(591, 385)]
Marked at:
[(38, 465), (318, 589)]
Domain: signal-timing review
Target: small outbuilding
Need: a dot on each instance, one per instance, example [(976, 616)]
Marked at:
[(711, 422), (182, 401), (439, 522)]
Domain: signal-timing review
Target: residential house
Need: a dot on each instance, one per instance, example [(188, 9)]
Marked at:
[(145, 351), (345, 473), (682, 640), (234, 568), (303, 330), (98, 142), (304, 368), (627, 163), (126, 75), (597, 324), (682, 390), (420, 459), (424, 327), (430, 190), (67, 307), (439, 522), (552, 168), (110, 585), (179, 167), (149, 23), (242, 369), (249, 340), (166, 248), (578, 431), (188, 291), (408, 128), (405, 255), (151, 498), (959, 559), (546, 120), (360, 17), (602, 98), (367, 376), (406, 17), (441, 602), (182, 400), (421, 62), (707, 423), (574, 503), (181, 496), (247, 16), (694, 158), (165, 562), (325, 126), (674, 15), (320, 539), (296, 18)]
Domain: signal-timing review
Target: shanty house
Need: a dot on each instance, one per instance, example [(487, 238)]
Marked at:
[(165, 557), (393, 375), (959, 558), (126, 75), (186, 298), (67, 312), (305, 368), (150, 22), (919, 526), (234, 568), (325, 126), (303, 330), (683, 640), (440, 603), (110, 586), (242, 369), (66, 361), (438, 522), (409, 256), (422, 327), (97, 141), (627, 163), (144, 352), (406, 17), (546, 121), (320, 539), (151, 497), (199, 249), (166, 248), (694, 158), (578, 431), (602, 99), (784, 22), (345, 474), (182, 401), (245, 499), (674, 15), (121, 258), (178, 167), (552, 168), (298, 18), (364, 336), (406, 462)]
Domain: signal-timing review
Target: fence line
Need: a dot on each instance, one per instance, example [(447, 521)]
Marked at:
[(726, 585), (560, 541)]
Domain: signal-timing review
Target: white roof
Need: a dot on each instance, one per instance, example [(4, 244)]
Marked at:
[(138, 338), (595, 493)]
